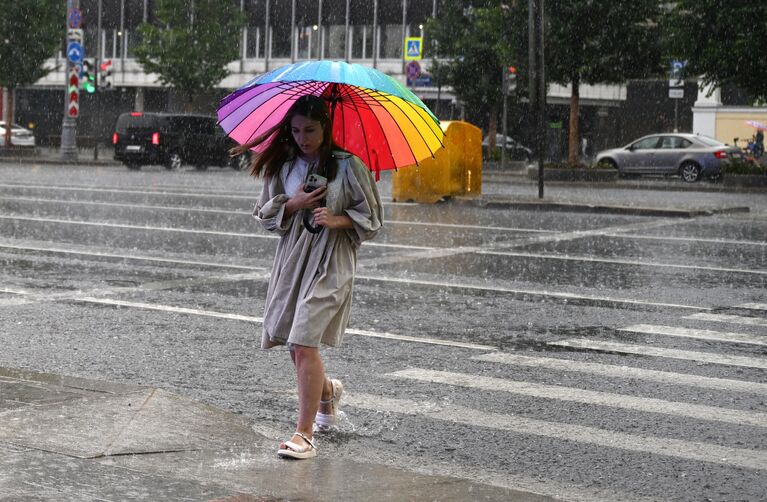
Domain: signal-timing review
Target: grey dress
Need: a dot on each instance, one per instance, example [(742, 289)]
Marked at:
[(309, 297)]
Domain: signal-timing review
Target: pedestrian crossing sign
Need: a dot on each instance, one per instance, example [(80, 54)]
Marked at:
[(413, 48)]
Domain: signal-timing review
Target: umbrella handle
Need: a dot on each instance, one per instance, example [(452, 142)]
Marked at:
[(308, 224)]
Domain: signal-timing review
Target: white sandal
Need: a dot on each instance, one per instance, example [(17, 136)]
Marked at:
[(292, 450), (324, 422)]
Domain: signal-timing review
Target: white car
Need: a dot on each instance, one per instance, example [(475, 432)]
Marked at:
[(20, 136)]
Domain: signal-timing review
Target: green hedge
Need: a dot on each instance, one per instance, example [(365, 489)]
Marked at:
[(744, 167)]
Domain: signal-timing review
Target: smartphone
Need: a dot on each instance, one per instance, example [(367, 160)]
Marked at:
[(315, 181)]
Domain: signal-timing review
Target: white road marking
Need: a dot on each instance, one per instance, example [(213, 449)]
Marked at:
[(644, 350), (621, 262), (98, 254), (734, 319), (394, 280), (669, 447), (238, 317), (628, 372), (755, 306), (561, 393), (186, 209), (688, 239), (531, 292), (185, 230), (702, 334)]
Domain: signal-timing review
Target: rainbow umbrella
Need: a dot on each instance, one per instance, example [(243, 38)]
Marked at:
[(374, 116)]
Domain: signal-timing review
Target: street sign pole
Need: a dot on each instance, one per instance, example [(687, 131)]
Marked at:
[(537, 83), (97, 68), (72, 93), (504, 119)]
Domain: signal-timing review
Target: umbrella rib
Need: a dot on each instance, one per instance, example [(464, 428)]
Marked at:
[(347, 89), (415, 107)]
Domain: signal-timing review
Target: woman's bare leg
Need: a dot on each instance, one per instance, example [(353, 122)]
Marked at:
[(311, 378)]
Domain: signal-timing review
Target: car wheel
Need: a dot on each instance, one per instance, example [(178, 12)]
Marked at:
[(174, 161), (690, 172), (239, 162), (133, 166)]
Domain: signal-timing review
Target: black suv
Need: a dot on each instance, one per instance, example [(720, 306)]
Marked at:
[(172, 140)]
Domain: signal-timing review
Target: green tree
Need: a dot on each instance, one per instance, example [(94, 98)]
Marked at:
[(30, 32), (473, 42), (599, 42), (722, 40), (190, 43)]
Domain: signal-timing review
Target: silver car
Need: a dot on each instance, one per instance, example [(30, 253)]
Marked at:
[(690, 156), (20, 136)]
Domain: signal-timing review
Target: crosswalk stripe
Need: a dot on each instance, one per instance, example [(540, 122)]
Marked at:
[(561, 393), (734, 457), (644, 350), (755, 306), (614, 371), (734, 319), (703, 334)]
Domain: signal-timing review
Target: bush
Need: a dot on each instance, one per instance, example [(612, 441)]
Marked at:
[(744, 167)]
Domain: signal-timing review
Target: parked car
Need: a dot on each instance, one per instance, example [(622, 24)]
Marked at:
[(514, 149), (173, 140), (20, 136), (690, 156)]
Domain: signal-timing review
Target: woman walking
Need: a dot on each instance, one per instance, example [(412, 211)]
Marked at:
[(321, 226)]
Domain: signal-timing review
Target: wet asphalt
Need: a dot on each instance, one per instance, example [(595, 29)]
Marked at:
[(477, 342)]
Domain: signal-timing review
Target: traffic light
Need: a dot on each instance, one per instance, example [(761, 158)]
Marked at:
[(87, 77), (105, 75), (509, 79)]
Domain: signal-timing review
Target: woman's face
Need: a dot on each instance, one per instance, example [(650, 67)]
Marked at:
[(307, 134)]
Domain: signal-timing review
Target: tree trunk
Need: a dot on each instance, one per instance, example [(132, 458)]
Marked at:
[(8, 117), (573, 143)]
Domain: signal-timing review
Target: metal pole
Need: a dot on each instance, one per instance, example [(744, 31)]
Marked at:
[(68, 124), (375, 33), (676, 115), (404, 32), (266, 38), (97, 69), (320, 46), (537, 83), (293, 49), (347, 42), (505, 90)]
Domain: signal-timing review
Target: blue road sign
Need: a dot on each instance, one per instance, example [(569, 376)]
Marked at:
[(75, 18), (75, 52)]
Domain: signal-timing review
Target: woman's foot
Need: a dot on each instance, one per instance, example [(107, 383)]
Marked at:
[(327, 416), (299, 447)]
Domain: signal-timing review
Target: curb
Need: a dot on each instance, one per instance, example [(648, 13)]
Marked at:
[(592, 208)]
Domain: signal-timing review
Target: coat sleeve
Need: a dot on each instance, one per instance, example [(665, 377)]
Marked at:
[(270, 209), (364, 208)]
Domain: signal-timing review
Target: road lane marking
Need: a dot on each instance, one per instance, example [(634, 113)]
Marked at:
[(173, 261), (395, 280), (186, 209), (734, 319), (239, 317), (638, 263), (688, 239), (754, 306), (596, 398), (645, 350), (664, 446), (702, 334), (185, 230), (628, 372), (532, 292)]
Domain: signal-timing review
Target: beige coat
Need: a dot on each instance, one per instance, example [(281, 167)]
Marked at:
[(309, 297)]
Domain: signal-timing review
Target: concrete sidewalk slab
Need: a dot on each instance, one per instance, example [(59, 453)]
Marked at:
[(74, 439)]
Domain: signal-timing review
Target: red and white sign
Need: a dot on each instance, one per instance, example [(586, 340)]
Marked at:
[(73, 105)]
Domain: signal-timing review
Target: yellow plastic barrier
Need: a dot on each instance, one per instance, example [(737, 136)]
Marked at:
[(456, 170)]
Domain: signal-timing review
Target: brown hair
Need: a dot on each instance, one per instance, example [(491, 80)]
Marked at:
[(282, 146)]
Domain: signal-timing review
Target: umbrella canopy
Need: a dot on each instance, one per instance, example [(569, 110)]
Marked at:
[(374, 116), (757, 124)]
